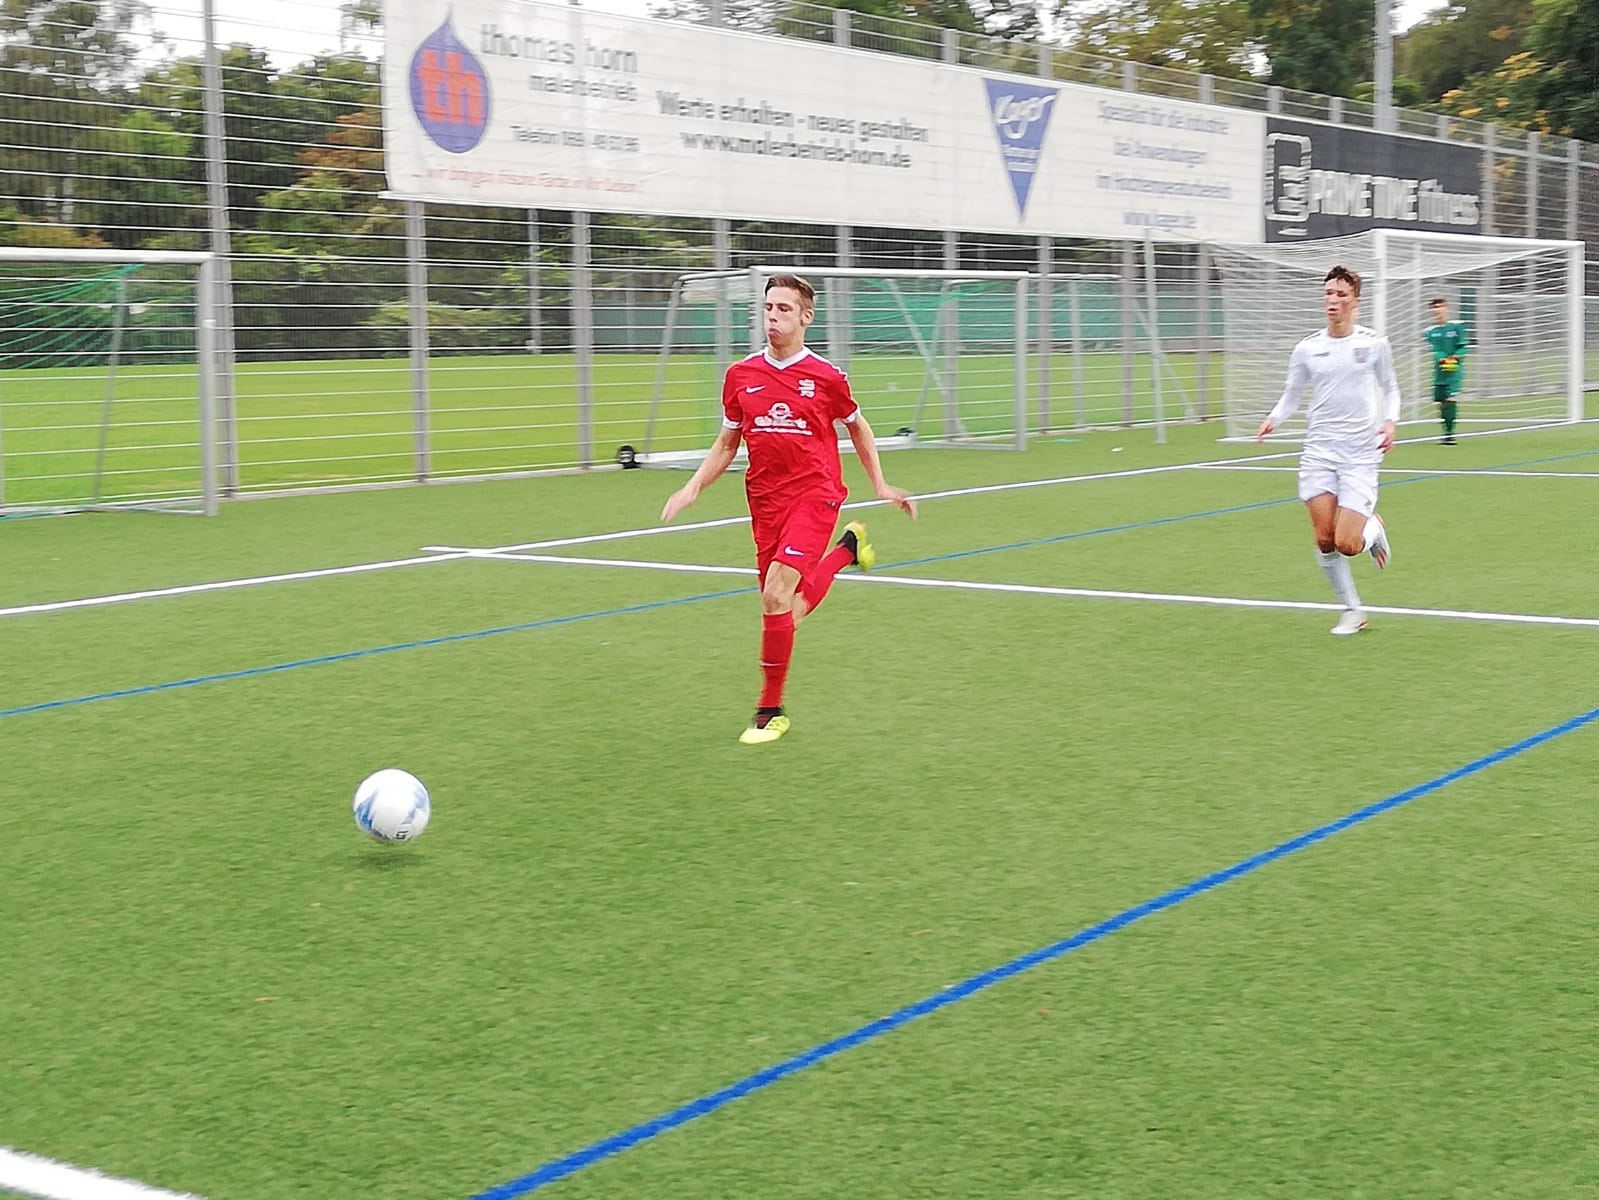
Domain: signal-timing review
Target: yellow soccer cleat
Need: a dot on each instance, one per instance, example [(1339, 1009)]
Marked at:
[(768, 726), (855, 538)]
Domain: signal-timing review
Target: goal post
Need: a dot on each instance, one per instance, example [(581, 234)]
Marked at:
[(1521, 300), (936, 358), (107, 381)]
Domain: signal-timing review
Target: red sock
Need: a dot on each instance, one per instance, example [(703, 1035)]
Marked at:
[(777, 650), (818, 582)]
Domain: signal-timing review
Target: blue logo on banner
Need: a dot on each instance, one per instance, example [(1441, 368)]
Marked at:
[(1021, 113), (449, 91)]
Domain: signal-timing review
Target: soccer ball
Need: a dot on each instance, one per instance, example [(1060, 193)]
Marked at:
[(391, 805), (1450, 364)]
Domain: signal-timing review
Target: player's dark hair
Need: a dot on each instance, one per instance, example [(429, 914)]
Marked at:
[(802, 286), (1344, 275), (1436, 301)]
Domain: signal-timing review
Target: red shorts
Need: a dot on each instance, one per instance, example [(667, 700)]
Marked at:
[(797, 535)]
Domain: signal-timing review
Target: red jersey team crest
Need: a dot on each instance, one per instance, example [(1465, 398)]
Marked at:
[(786, 414)]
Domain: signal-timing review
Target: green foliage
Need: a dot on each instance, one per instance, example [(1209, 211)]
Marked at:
[(1467, 38), (18, 229), (1551, 86), (1212, 36), (1315, 45), (449, 327), (1565, 38)]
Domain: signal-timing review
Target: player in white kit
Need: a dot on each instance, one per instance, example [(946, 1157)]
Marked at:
[(1349, 426)]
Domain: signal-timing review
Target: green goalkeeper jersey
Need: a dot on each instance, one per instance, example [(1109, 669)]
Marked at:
[(1447, 341)]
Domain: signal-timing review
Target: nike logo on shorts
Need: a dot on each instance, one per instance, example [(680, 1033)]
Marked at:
[(791, 550), (760, 387)]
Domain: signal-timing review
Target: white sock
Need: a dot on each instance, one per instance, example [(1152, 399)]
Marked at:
[(1336, 567), (1372, 532)]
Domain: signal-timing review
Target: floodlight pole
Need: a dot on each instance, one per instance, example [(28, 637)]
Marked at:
[(1383, 75)]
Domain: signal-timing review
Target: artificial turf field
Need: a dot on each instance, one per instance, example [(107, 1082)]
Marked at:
[(1042, 807)]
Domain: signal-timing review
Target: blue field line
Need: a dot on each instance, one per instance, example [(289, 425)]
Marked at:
[(1420, 477), (348, 655), (608, 1147), (249, 672)]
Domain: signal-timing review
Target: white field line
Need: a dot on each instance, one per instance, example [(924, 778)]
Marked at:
[(31, 1175), (436, 554), (224, 585), (432, 554), (1031, 589), (980, 490), (1429, 473)]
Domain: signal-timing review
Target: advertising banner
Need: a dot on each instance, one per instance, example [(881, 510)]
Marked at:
[(556, 106), (1329, 180)]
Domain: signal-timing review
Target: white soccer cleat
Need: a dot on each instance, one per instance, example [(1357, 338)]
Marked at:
[(1377, 540), (1352, 621)]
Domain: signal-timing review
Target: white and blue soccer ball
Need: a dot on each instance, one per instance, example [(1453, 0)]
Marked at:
[(391, 805)]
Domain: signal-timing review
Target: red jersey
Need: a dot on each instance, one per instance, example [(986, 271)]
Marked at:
[(785, 411)]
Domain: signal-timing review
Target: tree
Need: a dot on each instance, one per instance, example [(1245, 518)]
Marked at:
[(65, 66), (884, 24), (1316, 45), (1468, 38), (1551, 86), (1565, 38), (1211, 36)]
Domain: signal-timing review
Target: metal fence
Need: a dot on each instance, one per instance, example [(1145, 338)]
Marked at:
[(366, 338)]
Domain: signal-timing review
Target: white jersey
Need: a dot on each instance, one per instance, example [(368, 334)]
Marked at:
[(1352, 392)]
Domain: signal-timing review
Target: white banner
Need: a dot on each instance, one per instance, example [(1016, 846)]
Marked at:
[(555, 106)]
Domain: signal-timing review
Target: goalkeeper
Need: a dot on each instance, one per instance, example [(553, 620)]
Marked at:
[(1448, 342)]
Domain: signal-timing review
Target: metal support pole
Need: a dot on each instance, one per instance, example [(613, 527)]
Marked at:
[(583, 334), (1152, 335), (1529, 317), (1534, 155), (216, 174), (1485, 334), (1383, 54), (839, 314), (535, 291), (1575, 369), (1075, 299), (1046, 330), (206, 350), (118, 321), (722, 260), (1202, 319), (1020, 414), (951, 317), (416, 288), (1129, 328), (1489, 221), (1573, 183)]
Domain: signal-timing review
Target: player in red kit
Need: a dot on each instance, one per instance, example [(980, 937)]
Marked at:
[(782, 404)]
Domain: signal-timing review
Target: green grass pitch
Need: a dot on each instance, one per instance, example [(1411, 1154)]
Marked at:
[(308, 424), (211, 983)]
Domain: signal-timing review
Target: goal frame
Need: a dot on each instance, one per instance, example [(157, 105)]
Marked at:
[(754, 277), (205, 327), (1388, 275), (1574, 252)]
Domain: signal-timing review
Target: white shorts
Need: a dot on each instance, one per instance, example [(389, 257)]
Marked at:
[(1355, 486)]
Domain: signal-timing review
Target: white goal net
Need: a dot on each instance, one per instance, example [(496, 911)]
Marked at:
[(1520, 299), (934, 357), (106, 384)]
